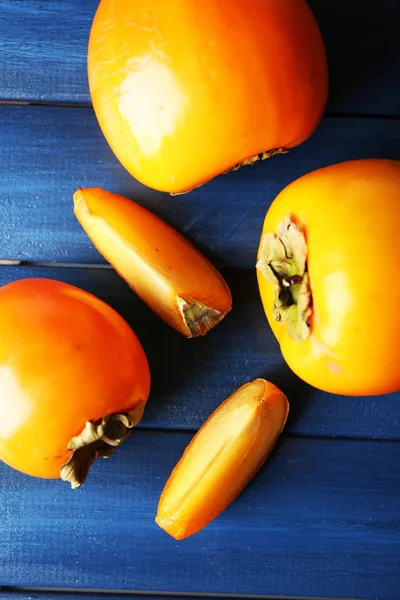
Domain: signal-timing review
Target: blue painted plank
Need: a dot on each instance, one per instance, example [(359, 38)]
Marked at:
[(361, 39), (321, 519), (49, 64), (43, 49), (194, 376), (48, 152)]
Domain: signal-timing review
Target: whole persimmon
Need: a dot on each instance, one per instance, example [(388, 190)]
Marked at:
[(329, 276), (185, 90), (74, 379)]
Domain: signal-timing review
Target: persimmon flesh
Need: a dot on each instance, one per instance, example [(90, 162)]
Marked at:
[(222, 458), (157, 262)]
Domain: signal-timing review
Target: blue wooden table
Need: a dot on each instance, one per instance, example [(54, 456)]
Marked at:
[(322, 519)]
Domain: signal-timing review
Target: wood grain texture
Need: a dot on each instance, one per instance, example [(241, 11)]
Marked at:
[(48, 152), (43, 52), (321, 519), (43, 49), (190, 378)]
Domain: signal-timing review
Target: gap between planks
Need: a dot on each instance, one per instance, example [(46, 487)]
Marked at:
[(55, 265), (107, 267), (327, 114), (77, 593)]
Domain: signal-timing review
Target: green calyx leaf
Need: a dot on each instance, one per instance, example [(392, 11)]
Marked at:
[(283, 262), (98, 438)]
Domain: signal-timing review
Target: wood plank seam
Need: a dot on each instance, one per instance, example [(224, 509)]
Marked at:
[(142, 594)]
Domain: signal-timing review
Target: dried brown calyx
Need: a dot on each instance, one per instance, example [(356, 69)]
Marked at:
[(198, 317), (283, 262), (98, 438), (243, 163), (257, 157)]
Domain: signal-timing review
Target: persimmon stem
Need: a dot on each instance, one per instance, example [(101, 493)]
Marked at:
[(98, 438), (198, 317), (283, 262)]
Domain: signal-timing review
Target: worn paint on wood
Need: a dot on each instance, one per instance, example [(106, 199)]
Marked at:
[(43, 52), (321, 519), (194, 376), (48, 152)]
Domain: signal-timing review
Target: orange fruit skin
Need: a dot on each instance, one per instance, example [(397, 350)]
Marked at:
[(66, 357), (222, 458), (350, 215), (184, 90), (156, 261)]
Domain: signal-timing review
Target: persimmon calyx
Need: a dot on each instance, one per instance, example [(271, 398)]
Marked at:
[(257, 157), (283, 262), (198, 317), (98, 438), (243, 163)]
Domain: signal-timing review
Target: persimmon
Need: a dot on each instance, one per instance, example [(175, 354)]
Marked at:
[(329, 276), (222, 458), (74, 379), (185, 90), (158, 263)]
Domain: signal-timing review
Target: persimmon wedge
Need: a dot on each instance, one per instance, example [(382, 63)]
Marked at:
[(222, 458), (158, 263)]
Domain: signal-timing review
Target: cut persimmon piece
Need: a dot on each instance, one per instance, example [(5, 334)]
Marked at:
[(158, 263), (222, 458)]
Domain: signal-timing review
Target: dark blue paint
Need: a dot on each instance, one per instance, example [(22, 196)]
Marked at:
[(43, 50), (47, 153), (193, 377), (321, 519), (361, 39)]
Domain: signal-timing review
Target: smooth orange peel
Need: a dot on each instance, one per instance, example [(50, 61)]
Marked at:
[(222, 458), (185, 90), (158, 263)]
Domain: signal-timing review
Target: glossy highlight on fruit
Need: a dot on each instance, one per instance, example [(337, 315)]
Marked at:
[(329, 276), (159, 264), (74, 379), (184, 90), (222, 458)]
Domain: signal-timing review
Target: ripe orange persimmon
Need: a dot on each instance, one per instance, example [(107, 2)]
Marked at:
[(185, 90), (74, 379), (329, 276)]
